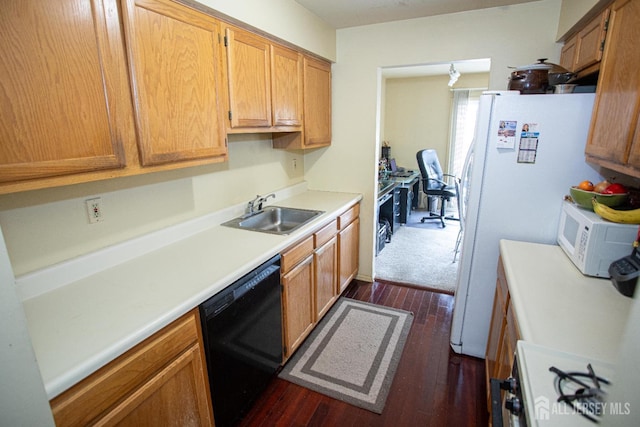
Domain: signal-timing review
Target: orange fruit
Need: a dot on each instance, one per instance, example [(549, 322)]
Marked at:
[(586, 185)]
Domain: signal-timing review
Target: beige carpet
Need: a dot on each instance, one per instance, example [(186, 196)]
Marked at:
[(352, 355), (421, 255)]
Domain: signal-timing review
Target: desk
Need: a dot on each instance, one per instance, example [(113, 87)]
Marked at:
[(408, 189), (397, 196)]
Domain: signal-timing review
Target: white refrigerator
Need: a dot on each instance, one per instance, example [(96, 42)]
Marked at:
[(527, 151)]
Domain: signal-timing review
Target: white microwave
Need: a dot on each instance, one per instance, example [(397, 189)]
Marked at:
[(593, 243)]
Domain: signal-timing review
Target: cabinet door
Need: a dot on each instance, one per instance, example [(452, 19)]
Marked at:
[(64, 88), (174, 396), (317, 103), (174, 55), (326, 276), (615, 115), (286, 86), (349, 243), (248, 73), (568, 54), (589, 42), (298, 304)]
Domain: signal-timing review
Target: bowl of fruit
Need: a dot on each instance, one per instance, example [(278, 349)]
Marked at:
[(608, 194)]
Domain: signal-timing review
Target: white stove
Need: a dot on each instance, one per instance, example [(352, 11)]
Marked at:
[(563, 389)]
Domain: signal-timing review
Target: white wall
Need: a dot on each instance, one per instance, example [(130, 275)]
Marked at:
[(509, 36), (23, 401), (285, 19), (571, 12), (417, 115), (44, 227)]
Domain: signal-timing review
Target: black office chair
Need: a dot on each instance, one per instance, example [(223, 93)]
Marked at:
[(434, 184)]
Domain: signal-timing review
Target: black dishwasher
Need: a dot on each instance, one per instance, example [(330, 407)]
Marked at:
[(242, 331)]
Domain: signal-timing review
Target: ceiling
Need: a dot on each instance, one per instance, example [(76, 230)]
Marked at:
[(468, 66), (353, 13)]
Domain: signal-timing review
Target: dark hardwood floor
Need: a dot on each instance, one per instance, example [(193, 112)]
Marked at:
[(433, 386)]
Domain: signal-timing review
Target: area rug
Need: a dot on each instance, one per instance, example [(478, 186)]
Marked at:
[(421, 255), (352, 355)]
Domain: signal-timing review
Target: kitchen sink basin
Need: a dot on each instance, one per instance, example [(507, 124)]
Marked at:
[(274, 219)]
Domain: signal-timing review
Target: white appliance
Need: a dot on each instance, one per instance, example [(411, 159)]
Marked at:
[(591, 242), (527, 151), (549, 387)]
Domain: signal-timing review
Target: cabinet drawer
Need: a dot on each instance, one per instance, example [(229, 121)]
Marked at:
[(296, 253), (326, 233), (347, 217)]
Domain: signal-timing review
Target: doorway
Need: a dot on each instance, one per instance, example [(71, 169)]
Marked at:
[(420, 110)]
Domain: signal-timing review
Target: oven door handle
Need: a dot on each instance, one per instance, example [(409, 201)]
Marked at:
[(496, 403)]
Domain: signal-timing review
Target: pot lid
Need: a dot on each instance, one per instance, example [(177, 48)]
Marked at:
[(542, 65)]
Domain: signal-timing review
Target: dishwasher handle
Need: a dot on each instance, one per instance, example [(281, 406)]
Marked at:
[(220, 301), (243, 289)]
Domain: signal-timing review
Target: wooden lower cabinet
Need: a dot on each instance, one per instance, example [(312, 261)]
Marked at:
[(161, 381), (298, 305), (348, 246), (503, 335), (311, 276), (326, 275)]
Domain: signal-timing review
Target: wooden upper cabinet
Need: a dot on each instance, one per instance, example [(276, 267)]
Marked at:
[(249, 79), (590, 42), (63, 83), (317, 103), (286, 86), (568, 53), (174, 54), (583, 51), (613, 136)]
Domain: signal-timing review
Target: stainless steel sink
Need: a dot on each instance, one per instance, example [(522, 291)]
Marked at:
[(274, 220)]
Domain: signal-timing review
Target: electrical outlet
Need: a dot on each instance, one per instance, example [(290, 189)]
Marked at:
[(295, 164), (94, 210)]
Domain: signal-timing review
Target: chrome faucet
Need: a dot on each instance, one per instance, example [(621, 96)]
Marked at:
[(255, 205)]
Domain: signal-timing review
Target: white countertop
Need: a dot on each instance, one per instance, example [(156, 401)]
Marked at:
[(558, 307), (81, 326)]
